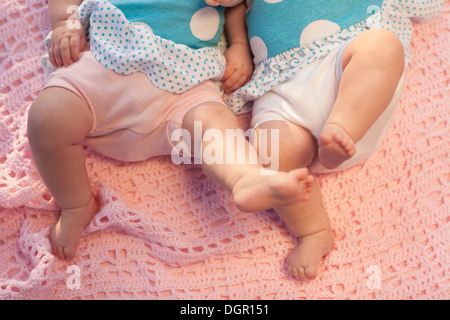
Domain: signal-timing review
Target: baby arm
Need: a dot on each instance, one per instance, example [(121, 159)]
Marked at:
[(238, 56), (68, 35)]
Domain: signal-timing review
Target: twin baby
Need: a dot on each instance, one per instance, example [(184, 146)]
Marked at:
[(317, 74)]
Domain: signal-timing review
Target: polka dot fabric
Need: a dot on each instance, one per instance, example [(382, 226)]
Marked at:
[(127, 47), (396, 16), (198, 24), (303, 22)]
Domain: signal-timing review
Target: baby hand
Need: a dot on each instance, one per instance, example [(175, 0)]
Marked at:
[(66, 44), (239, 67)]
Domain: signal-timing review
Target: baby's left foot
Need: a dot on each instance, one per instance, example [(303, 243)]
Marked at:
[(335, 146), (304, 260), (66, 233)]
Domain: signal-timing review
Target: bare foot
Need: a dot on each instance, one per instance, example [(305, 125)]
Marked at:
[(260, 192), (66, 233), (304, 260), (335, 146)]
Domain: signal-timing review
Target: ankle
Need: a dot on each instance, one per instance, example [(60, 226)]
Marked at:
[(83, 204)]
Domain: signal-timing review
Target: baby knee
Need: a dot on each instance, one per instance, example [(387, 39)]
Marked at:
[(393, 48), (388, 47), (291, 152), (58, 116), (209, 115), (303, 153), (38, 122), (382, 46), (45, 125)]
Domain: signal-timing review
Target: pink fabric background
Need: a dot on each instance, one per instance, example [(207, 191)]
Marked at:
[(166, 232)]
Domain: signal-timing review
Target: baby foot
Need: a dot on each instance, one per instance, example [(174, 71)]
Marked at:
[(260, 192), (335, 146), (66, 233), (304, 260)]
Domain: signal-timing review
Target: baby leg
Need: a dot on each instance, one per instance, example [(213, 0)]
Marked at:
[(242, 174), (372, 65), (308, 219), (57, 123)]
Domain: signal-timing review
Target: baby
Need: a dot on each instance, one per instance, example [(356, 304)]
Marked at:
[(126, 88), (328, 78)]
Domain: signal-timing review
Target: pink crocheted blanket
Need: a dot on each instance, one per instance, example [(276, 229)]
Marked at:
[(166, 232)]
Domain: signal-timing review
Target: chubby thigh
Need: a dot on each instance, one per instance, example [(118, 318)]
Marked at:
[(133, 119), (307, 99)]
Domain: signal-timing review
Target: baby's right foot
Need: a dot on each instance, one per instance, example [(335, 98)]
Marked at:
[(335, 146), (260, 192), (66, 233)]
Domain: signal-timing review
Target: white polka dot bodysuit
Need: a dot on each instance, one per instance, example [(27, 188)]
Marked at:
[(175, 43), (286, 35)]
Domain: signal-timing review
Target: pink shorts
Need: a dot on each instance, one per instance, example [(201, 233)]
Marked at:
[(133, 120)]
